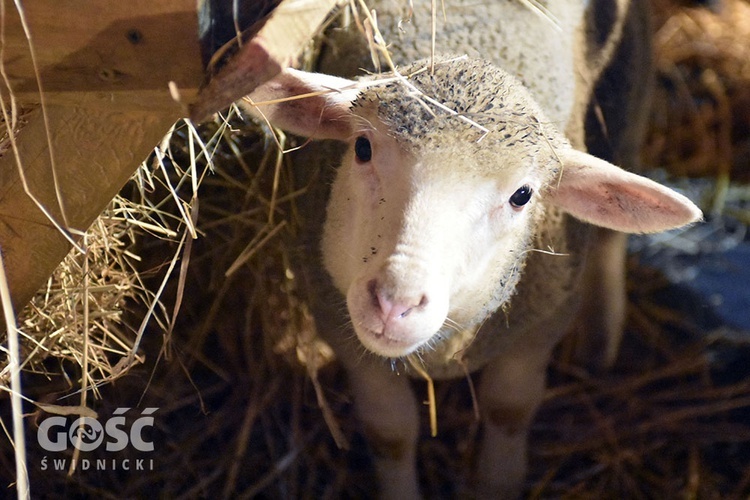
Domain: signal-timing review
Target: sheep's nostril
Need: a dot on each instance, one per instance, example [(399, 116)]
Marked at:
[(421, 305), (372, 289)]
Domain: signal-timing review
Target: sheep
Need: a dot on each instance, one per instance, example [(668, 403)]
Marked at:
[(460, 221)]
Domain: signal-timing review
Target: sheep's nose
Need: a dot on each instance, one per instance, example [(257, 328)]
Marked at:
[(390, 309)]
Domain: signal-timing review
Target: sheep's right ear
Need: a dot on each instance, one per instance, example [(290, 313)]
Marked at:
[(307, 104)]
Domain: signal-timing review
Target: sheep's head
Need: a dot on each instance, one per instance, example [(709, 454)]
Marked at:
[(437, 200)]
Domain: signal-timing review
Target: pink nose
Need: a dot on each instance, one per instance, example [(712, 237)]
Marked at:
[(393, 310)]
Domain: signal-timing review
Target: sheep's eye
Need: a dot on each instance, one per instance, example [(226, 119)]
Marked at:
[(363, 149), (521, 197)]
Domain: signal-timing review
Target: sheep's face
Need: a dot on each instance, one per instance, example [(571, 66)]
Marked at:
[(427, 237), (446, 180)]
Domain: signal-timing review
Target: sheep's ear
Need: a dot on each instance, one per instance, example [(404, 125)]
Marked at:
[(600, 193), (307, 104)]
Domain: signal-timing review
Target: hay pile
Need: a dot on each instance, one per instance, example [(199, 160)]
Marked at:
[(81, 308), (231, 361), (701, 116)]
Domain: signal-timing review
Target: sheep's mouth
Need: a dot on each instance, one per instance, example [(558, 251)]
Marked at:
[(380, 343)]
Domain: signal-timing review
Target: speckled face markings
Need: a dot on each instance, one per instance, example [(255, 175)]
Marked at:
[(503, 124)]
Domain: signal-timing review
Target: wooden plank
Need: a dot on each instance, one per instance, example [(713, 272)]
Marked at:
[(105, 69), (97, 152), (106, 46)]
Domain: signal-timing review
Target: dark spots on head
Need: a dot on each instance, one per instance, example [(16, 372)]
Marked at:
[(478, 92)]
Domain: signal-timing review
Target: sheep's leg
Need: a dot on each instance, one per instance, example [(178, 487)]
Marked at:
[(387, 410), (511, 389), (602, 315)]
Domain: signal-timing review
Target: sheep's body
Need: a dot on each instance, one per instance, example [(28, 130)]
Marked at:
[(439, 229)]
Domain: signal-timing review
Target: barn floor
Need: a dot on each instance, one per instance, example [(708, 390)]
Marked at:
[(238, 415)]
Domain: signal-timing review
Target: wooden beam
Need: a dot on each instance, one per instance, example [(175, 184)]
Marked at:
[(105, 67), (101, 46)]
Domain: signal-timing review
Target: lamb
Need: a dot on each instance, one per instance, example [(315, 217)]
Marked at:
[(458, 228)]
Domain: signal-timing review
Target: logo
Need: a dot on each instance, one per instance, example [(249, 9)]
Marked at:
[(88, 434)]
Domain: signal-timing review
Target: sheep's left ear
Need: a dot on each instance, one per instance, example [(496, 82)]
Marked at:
[(600, 193), (308, 104)]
